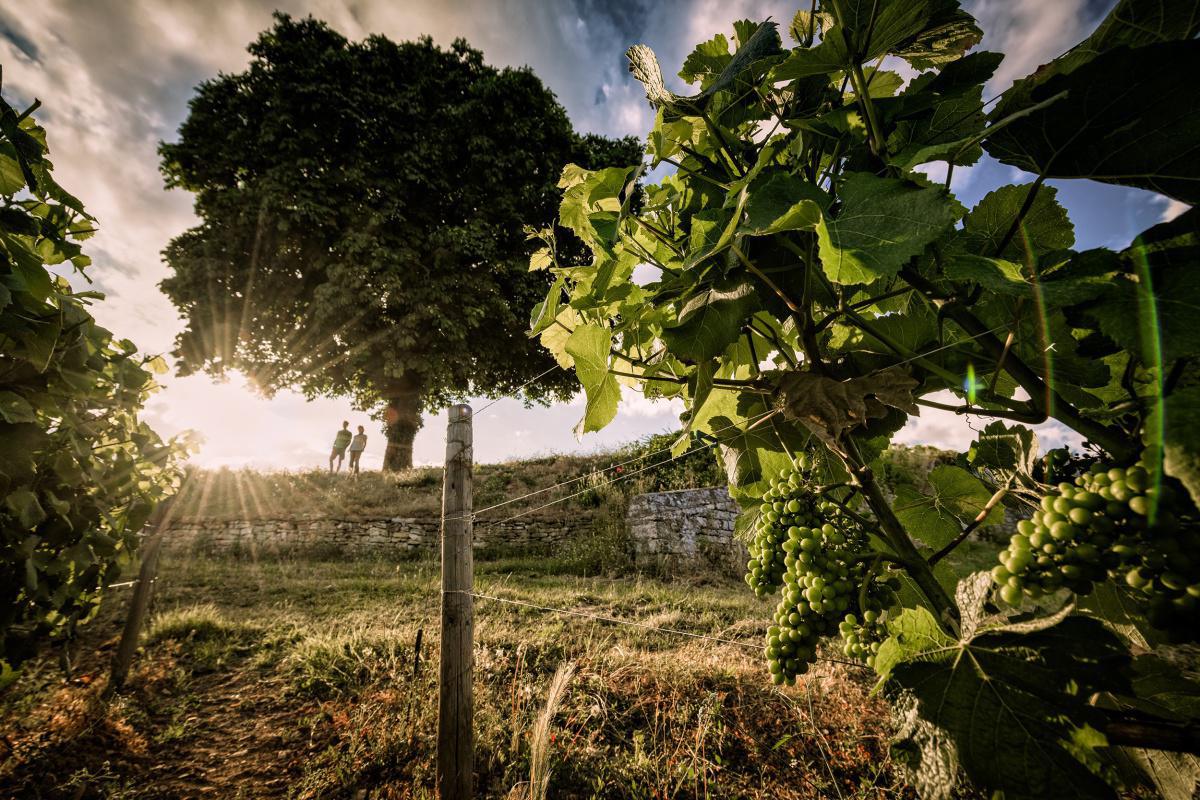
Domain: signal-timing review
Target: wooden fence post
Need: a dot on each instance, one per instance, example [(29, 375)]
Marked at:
[(140, 602), (456, 737)]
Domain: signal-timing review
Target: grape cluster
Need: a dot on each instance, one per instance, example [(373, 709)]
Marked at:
[(1110, 524), (861, 639), (810, 548)]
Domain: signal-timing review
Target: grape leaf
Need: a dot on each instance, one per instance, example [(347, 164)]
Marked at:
[(644, 66), (829, 408), (1008, 277), (1015, 704), (1154, 312), (554, 337), (882, 223), (911, 633), (1118, 123), (1176, 419), (589, 345), (1117, 607), (955, 498), (1161, 690), (1045, 227), (706, 61), (1135, 23), (950, 33), (25, 506), (1006, 449), (14, 408), (780, 201), (711, 320)]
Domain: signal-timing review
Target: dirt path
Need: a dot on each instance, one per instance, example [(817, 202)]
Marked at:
[(228, 733)]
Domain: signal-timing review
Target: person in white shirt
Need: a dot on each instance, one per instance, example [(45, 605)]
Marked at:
[(357, 445)]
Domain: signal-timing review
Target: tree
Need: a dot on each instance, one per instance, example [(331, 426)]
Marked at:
[(362, 208), (815, 289), (80, 472)]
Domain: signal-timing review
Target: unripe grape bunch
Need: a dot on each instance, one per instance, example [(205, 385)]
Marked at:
[(1110, 524), (808, 547)]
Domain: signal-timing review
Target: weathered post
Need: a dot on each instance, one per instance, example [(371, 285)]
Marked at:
[(456, 737), (142, 592)]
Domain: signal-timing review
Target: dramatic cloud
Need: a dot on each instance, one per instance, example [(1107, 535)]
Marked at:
[(115, 78)]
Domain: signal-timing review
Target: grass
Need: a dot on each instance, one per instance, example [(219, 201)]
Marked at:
[(246, 494), (300, 678)]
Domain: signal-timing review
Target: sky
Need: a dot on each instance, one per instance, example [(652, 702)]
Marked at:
[(115, 76)]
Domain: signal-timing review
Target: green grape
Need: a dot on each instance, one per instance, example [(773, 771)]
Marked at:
[(1111, 524), (819, 556)]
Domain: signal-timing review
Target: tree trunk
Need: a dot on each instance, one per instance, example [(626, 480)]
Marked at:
[(403, 419)]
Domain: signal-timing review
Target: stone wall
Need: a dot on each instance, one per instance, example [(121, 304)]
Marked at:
[(689, 529), (387, 536)]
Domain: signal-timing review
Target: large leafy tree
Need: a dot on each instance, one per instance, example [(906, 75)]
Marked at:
[(814, 288), (362, 208)]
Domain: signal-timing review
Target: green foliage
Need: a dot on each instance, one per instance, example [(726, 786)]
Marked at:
[(80, 473), (811, 287), (362, 208)]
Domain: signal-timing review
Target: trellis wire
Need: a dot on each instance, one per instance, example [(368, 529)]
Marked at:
[(518, 390), (643, 457)]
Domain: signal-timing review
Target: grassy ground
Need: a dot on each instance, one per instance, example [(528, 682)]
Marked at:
[(298, 678), (642, 466)]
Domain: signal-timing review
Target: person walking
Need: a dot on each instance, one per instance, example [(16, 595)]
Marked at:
[(340, 442), (357, 445)]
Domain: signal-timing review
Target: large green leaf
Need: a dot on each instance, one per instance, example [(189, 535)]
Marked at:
[(955, 498), (948, 34), (882, 223), (24, 504), (1153, 312), (1116, 606), (589, 345), (1010, 278), (780, 201), (1124, 118), (1173, 425), (707, 61), (1136, 23), (763, 43), (14, 408), (1016, 703), (711, 320), (1045, 226), (1009, 450)]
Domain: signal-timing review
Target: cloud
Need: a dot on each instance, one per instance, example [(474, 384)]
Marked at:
[(951, 431), (115, 78), (636, 404), (1171, 208), (1032, 32)]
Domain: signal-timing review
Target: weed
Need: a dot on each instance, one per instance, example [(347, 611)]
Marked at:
[(202, 622)]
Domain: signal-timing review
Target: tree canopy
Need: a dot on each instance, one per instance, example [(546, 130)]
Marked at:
[(362, 209)]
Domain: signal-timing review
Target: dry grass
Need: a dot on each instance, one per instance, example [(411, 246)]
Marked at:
[(296, 678), (247, 494), (542, 738)]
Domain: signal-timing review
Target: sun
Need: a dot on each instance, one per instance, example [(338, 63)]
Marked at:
[(240, 428)]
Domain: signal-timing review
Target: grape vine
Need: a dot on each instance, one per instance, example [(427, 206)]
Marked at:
[(80, 472), (802, 276)]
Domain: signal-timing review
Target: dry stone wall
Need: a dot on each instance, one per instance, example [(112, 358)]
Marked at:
[(689, 529), (387, 536)]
